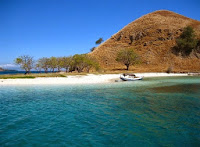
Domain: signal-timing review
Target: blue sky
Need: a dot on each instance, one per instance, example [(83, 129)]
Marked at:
[(45, 28)]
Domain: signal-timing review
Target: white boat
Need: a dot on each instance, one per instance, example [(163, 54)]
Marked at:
[(130, 77)]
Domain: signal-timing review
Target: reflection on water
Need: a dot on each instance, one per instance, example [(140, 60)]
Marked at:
[(180, 88)]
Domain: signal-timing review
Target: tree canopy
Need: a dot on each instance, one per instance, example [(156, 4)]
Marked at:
[(127, 57), (83, 61), (44, 63), (99, 41), (79, 62), (186, 42), (26, 62), (92, 49)]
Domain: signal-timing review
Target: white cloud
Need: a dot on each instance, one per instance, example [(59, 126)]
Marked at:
[(10, 66)]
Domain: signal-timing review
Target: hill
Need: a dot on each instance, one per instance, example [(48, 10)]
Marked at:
[(153, 37), (1, 69)]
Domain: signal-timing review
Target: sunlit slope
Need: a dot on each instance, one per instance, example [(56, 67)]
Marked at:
[(152, 36)]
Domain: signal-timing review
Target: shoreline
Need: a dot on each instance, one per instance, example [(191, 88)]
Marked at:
[(80, 79)]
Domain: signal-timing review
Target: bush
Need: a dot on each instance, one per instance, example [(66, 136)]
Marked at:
[(186, 42), (169, 70)]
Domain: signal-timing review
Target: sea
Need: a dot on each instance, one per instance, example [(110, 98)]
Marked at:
[(162, 111)]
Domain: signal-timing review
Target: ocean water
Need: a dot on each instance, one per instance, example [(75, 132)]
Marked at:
[(151, 112)]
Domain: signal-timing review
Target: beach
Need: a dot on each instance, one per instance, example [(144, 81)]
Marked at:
[(80, 79)]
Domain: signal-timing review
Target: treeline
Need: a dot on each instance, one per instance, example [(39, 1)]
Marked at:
[(78, 62)]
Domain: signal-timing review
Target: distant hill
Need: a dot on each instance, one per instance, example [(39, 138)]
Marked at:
[(1, 69), (152, 36)]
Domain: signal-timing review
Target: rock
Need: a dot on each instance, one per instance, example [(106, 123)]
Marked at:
[(169, 34), (166, 30), (139, 36), (119, 38), (161, 38), (131, 39), (159, 31)]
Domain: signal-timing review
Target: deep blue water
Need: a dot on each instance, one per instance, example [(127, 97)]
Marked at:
[(152, 112)]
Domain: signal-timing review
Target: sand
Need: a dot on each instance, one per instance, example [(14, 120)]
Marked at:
[(79, 79)]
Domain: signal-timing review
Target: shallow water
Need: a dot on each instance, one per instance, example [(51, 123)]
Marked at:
[(152, 112)]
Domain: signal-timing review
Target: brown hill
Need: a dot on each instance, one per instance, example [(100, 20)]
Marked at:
[(1, 69), (152, 36)]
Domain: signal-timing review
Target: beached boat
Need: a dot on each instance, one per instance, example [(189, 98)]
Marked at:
[(130, 77)]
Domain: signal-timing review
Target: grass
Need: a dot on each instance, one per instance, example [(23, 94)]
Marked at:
[(40, 75), (31, 76), (156, 54), (16, 77)]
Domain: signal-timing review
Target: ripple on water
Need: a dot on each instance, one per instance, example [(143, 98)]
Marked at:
[(155, 111)]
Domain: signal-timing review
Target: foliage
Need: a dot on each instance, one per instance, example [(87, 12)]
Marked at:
[(127, 57), (25, 62), (60, 63), (53, 63), (79, 62), (44, 63), (92, 49), (68, 63), (38, 67), (99, 41), (90, 63), (186, 42), (84, 61)]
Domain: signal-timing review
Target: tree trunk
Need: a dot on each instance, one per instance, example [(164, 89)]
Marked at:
[(127, 67), (58, 69)]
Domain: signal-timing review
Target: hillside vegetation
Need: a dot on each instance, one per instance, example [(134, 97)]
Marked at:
[(153, 37)]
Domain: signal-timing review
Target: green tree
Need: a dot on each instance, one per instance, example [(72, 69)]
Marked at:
[(44, 63), (127, 57), (38, 67), (186, 42), (53, 63), (79, 62), (99, 41), (26, 62), (92, 49), (84, 62), (90, 63), (68, 63), (59, 63)]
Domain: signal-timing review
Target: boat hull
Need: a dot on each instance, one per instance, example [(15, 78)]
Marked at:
[(130, 79)]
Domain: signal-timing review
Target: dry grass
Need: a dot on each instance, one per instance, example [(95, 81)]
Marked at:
[(154, 35), (39, 75), (28, 76)]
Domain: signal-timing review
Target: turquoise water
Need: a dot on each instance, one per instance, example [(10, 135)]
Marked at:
[(152, 112)]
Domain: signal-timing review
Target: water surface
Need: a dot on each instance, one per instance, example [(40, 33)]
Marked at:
[(152, 112)]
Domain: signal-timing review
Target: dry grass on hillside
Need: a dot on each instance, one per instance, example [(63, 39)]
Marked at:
[(152, 36)]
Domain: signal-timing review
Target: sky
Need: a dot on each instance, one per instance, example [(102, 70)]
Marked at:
[(45, 28)]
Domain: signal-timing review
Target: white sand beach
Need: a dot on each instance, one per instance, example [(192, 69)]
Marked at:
[(79, 79)]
